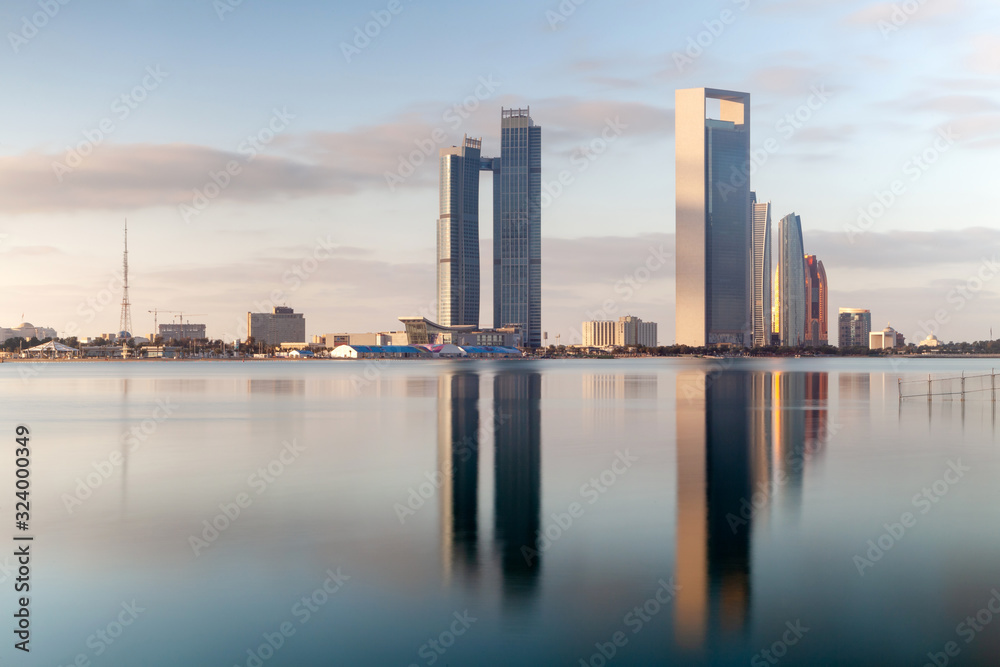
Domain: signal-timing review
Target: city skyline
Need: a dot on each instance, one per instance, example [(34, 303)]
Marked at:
[(324, 157)]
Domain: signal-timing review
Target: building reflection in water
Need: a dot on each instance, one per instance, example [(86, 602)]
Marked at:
[(742, 438), (458, 462), (604, 396), (515, 422), (517, 463)]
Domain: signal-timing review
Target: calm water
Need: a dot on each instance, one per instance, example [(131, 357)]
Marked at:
[(505, 513)]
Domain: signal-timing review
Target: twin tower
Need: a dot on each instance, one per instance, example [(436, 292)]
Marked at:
[(517, 221)]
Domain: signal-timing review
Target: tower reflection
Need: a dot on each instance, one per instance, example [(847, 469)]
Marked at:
[(518, 470), (516, 431), (458, 461), (742, 438)]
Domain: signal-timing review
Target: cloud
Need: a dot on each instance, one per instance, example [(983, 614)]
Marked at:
[(889, 251), (137, 176), (895, 15)]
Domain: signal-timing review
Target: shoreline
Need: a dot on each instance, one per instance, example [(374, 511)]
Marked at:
[(607, 358)]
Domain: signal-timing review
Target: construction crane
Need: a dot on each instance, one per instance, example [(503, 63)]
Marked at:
[(156, 330), (178, 313)]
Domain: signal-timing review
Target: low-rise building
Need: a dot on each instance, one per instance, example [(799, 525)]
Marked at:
[(930, 341), (882, 340), (182, 331), (628, 331)]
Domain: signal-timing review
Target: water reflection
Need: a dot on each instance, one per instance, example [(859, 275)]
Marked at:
[(458, 460), (604, 395), (742, 438), (516, 434), (517, 467)]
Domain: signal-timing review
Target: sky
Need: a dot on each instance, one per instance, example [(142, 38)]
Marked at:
[(285, 153)]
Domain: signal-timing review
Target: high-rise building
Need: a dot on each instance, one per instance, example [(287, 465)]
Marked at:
[(713, 219), (761, 233), (853, 327), (816, 303), (790, 292), (517, 226), (283, 325), (458, 235)]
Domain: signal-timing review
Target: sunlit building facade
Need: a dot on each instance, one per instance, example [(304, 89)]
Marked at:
[(761, 272), (816, 303), (790, 294), (713, 219)]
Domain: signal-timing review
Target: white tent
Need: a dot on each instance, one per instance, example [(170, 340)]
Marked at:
[(52, 348)]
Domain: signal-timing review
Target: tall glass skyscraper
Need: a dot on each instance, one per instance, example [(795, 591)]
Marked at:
[(517, 226), (817, 328), (790, 294), (458, 235), (761, 272), (713, 219)]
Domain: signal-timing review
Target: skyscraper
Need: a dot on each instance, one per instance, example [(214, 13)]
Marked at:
[(713, 220), (790, 293), (761, 272), (517, 226), (816, 303), (458, 235), (853, 327)]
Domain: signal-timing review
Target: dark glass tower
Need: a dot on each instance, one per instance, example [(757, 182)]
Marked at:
[(458, 235), (517, 227), (713, 219)]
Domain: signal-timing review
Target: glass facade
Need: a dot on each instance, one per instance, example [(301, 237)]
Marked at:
[(816, 302), (728, 233), (854, 326), (792, 281), (517, 218), (458, 235), (761, 272), (713, 218)]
